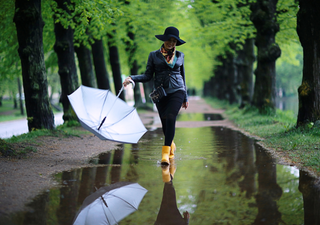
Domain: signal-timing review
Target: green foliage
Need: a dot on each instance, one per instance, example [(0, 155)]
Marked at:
[(89, 19), (9, 58)]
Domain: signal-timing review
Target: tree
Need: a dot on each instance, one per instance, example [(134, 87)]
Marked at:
[(131, 50), (115, 63), (85, 64), (100, 67), (308, 29), (89, 19), (244, 63), (264, 19), (228, 32), (66, 60), (29, 25)]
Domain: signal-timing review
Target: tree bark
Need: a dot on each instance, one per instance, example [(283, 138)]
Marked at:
[(66, 62), (115, 65), (133, 65), (29, 25), (20, 96), (244, 63), (85, 65), (220, 81), (263, 16), (232, 79), (310, 188), (102, 75), (269, 191), (308, 29)]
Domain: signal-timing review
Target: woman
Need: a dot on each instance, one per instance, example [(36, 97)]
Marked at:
[(166, 66)]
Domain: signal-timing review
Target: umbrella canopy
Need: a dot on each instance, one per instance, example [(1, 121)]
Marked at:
[(110, 204), (106, 115)]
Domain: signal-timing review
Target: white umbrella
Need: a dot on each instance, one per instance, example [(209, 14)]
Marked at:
[(106, 115), (110, 204)]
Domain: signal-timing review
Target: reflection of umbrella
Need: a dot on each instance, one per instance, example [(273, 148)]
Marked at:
[(110, 204), (106, 115)]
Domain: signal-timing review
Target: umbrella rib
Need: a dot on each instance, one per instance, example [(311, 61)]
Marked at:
[(109, 211), (104, 119), (105, 99), (121, 118), (124, 201)]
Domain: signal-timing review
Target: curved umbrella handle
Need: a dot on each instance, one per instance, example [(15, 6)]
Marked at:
[(133, 83)]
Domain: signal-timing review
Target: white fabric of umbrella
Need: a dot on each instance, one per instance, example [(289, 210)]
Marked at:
[(110, 204), (122, 122)]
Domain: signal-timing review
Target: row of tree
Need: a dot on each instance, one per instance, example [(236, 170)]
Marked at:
[(233, 79), (222, 40), (79, 28)]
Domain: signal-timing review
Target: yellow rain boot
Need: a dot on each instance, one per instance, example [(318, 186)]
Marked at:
[(165, 174), (172, 168), (165, 155), (172, 150)]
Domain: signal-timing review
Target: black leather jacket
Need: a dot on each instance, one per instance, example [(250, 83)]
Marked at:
[(172, 79)]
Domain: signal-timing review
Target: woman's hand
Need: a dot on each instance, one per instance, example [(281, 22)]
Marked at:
[(127, 81), (185, 105)]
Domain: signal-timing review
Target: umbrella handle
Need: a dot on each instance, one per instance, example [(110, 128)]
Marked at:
[(133, 85)]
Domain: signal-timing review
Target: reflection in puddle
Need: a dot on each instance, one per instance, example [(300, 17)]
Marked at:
[(110, 204), (220, 177), (198, 117)]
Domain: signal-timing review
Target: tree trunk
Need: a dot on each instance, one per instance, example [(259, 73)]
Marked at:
[(85, 65), (20, 96), (115, 65), (29, 26), (220, 82), (309, 186), (244, 63), (100, 65), (232, 79), (68, 193), (308, 29), (66, 62), (133, 65), (263, 16), (269, 191)]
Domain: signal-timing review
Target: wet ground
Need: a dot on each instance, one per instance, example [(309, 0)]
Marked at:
[(220, 176)]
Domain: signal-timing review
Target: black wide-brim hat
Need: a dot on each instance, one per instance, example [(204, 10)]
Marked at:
[(171, 32)]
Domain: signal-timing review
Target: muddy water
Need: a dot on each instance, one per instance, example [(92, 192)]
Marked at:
[(219, 176)]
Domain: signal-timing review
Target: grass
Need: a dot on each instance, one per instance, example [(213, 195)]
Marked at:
[(19, 146), (7, 111), (278, 131)]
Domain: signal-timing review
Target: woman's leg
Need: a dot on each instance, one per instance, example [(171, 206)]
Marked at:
[(168, 109)]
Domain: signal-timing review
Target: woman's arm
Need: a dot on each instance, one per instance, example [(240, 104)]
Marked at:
[(185, 103), (147, 76)]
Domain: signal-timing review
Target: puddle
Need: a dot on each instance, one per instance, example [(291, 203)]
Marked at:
[(219, 176), (198, 117)]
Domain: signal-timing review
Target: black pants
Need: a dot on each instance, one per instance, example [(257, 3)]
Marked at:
[(168, 109), (169, 213)]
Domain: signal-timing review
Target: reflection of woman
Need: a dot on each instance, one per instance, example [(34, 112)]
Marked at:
[(169, 213), (166, 66)]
